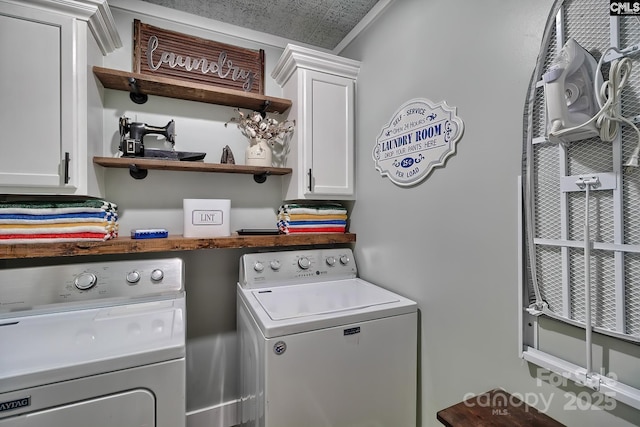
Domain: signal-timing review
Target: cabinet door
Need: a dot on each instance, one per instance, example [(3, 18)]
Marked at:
[(328, 134), (37, 101)]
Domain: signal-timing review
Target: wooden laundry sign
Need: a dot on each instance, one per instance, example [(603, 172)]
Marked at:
[(165, 53), (419, 137)]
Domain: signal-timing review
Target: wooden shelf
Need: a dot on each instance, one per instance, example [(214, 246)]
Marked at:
[(178, 89), (176, 165), (495, 408), (125, 245)]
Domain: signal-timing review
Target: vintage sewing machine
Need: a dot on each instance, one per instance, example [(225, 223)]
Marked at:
[(132, 141)]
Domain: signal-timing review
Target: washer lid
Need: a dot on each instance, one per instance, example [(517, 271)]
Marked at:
[(290, 309), (291, 302)]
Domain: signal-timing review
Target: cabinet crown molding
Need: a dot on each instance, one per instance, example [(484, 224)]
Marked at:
[(295, 57), (95, 12)]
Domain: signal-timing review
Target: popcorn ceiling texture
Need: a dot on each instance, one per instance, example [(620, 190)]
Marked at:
[(321, 23)]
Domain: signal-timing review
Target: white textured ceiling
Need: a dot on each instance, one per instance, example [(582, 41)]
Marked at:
[(321, 23)]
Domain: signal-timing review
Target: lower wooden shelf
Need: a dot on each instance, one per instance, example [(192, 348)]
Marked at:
[(123, 245)]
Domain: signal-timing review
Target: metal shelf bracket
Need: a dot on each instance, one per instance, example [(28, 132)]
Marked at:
[(137, 172)]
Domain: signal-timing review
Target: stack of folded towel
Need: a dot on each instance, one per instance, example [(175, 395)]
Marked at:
[(312, 218), (48, 219)]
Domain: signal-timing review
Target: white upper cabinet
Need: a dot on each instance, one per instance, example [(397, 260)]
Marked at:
[(321, 151), (48, 135)]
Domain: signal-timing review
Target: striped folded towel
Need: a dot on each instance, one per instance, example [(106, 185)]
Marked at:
[(312, 218), (312, 209), (45, 219)]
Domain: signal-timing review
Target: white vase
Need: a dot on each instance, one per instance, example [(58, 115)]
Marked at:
[(258, 153)]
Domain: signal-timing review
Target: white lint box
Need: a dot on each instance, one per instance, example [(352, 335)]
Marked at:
[(206, 217)]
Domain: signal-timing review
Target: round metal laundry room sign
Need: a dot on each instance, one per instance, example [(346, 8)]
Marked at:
[(419, 137)]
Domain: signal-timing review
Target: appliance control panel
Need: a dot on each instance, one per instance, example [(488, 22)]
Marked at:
[(266, 269), (85, 284)]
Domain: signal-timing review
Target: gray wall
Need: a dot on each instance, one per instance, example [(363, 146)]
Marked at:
[(451, 242), (156, 201)]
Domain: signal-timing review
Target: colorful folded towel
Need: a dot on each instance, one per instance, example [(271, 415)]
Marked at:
[(312, 209), (70, 227), (44, 219), (312, 218), (299, 217), (313, 230), (52, 237), (61, 217)]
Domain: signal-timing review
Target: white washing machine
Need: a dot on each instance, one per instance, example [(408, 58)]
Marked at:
[(100, 345), (320, 347)]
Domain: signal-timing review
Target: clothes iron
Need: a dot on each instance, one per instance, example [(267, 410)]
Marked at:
[(132, 141), (569, 94)]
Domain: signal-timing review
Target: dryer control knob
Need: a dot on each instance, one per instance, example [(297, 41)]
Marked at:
[(331, 261), (85, 281), (275, 265), (258, 267), (304, 263), (344, 260), (133, 277), (157, 275)]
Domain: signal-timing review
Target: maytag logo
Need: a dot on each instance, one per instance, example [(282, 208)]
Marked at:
[(623, 8), (15, 404), (200, 217), (351, 331)]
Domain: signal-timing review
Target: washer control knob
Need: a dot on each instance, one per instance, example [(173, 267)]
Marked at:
[(344, 259), (331, 260), (157, 275), (258, 267), (304, 262), (275, 265), (133, 277), (85, 281)]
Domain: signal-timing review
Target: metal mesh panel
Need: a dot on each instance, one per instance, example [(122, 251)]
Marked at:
[(629, 35), (539, 111), (600, 216), (630, 100), (629, 31), (589, 156), (632, 294), (631, 204), (547, 191), (603, 307), (549, 266), (631, 176), (539, 114), (552, 52), (587, 22), (583, 22)]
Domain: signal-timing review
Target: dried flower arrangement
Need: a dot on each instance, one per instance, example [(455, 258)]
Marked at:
[(256, 127)]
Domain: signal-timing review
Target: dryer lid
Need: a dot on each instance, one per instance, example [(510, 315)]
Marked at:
[(52, 347), (291, 302)]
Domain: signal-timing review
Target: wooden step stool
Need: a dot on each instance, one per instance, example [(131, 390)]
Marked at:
[(494, 408)]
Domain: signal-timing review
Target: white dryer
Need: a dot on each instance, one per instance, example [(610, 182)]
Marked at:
[(321, 347), (100, 345)]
